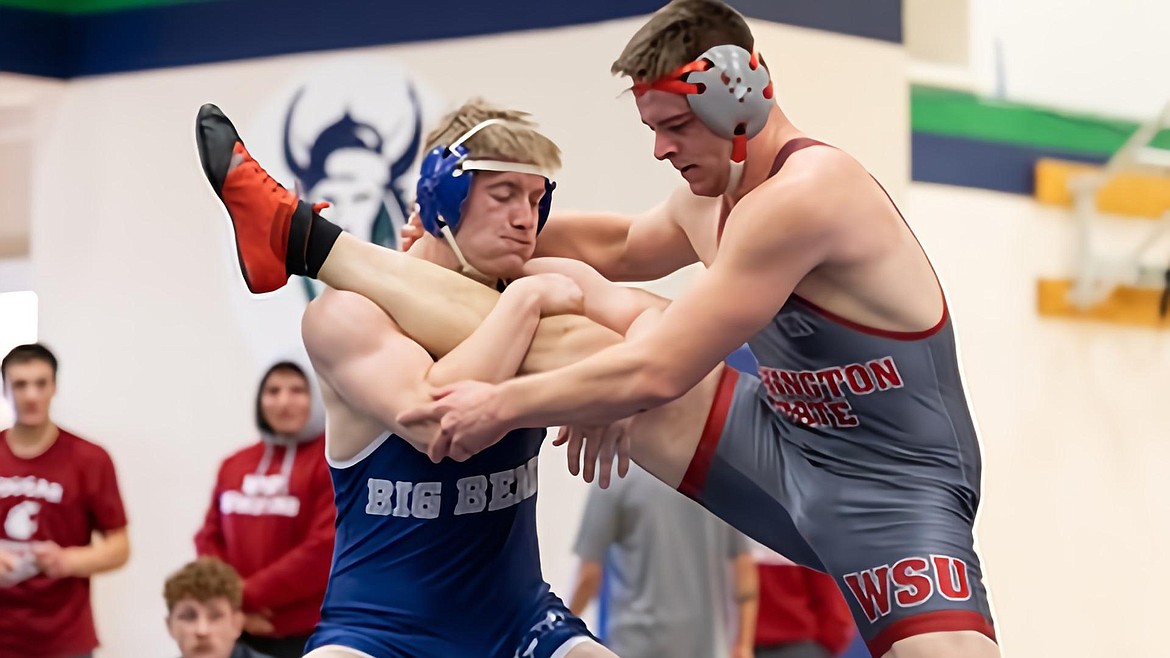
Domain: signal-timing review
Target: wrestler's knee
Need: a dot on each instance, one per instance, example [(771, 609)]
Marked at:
[(952, 644), (663, 440), (335, 652), (590, 649)]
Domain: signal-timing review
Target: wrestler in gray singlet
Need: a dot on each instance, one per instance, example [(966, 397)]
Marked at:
[(865, 439)]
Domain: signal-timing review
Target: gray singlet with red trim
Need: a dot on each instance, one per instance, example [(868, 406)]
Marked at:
[(859, 442)]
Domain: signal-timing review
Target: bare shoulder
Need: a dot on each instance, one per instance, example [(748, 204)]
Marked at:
[(817, 174), (337, 304), (367, 367), (337, 323), (342, 332), (813, 194)]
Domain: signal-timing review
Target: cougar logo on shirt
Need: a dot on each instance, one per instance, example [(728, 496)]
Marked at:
[(818, 397), (261, 495), (21, 523), (473, 494), (909, 583)]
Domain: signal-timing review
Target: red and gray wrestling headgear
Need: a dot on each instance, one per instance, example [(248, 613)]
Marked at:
[(728, 88)]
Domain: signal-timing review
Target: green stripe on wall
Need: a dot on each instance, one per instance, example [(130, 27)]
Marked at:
[(40, 5), (91, 6), (961, 114)]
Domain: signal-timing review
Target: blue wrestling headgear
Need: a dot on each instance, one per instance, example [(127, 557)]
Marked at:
[(445, 181)]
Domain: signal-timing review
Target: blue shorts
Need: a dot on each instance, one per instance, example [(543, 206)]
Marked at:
[(550, 631)]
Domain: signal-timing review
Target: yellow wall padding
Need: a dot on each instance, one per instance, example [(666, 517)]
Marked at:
[(1127, 305), (1134, 195)]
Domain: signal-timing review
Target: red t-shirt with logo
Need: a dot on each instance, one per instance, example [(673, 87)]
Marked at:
[(62, 495)]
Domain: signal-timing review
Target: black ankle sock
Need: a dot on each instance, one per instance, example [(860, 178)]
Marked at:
[(298, 238), (310, 239), (322, 234)]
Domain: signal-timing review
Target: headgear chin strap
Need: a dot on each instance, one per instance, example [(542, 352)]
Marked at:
[(465, 268), (728, 88)]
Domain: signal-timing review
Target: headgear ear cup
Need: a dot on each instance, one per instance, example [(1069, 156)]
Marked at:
[(727, 88), (545, 204), (734, 97), (442, 188), (445, 178)]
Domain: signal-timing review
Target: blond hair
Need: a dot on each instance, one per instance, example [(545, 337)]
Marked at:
[(517, 140), (677, 34), (204, 580)]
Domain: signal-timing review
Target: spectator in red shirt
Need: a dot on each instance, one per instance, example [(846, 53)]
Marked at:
[(271, 518), (63, 519), (801, 614)]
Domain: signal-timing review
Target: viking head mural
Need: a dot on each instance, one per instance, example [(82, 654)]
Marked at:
[(347, 164)]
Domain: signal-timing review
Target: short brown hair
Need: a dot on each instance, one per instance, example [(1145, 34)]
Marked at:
[(677, 34), (27, 354), (517, 141), (205, 579)]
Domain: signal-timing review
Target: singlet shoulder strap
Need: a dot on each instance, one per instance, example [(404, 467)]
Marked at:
[(790, 147)]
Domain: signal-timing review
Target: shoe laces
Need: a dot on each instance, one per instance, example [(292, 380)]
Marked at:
[(269, 183), (273, 185)]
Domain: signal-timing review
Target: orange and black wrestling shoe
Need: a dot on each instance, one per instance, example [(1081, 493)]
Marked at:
[(261, 209)]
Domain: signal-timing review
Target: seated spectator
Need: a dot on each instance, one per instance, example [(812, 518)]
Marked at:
[(204, 614)]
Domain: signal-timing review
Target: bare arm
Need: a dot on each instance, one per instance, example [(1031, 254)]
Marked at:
[(366, 360), (499, 345), (620, 247), (105, 552), (600, 528), (587, 587), (772, 242), (209, 539), (747, 599), (612, 306), (440, 308)]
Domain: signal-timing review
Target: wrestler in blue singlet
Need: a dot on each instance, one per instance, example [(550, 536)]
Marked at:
[(441, 560)]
